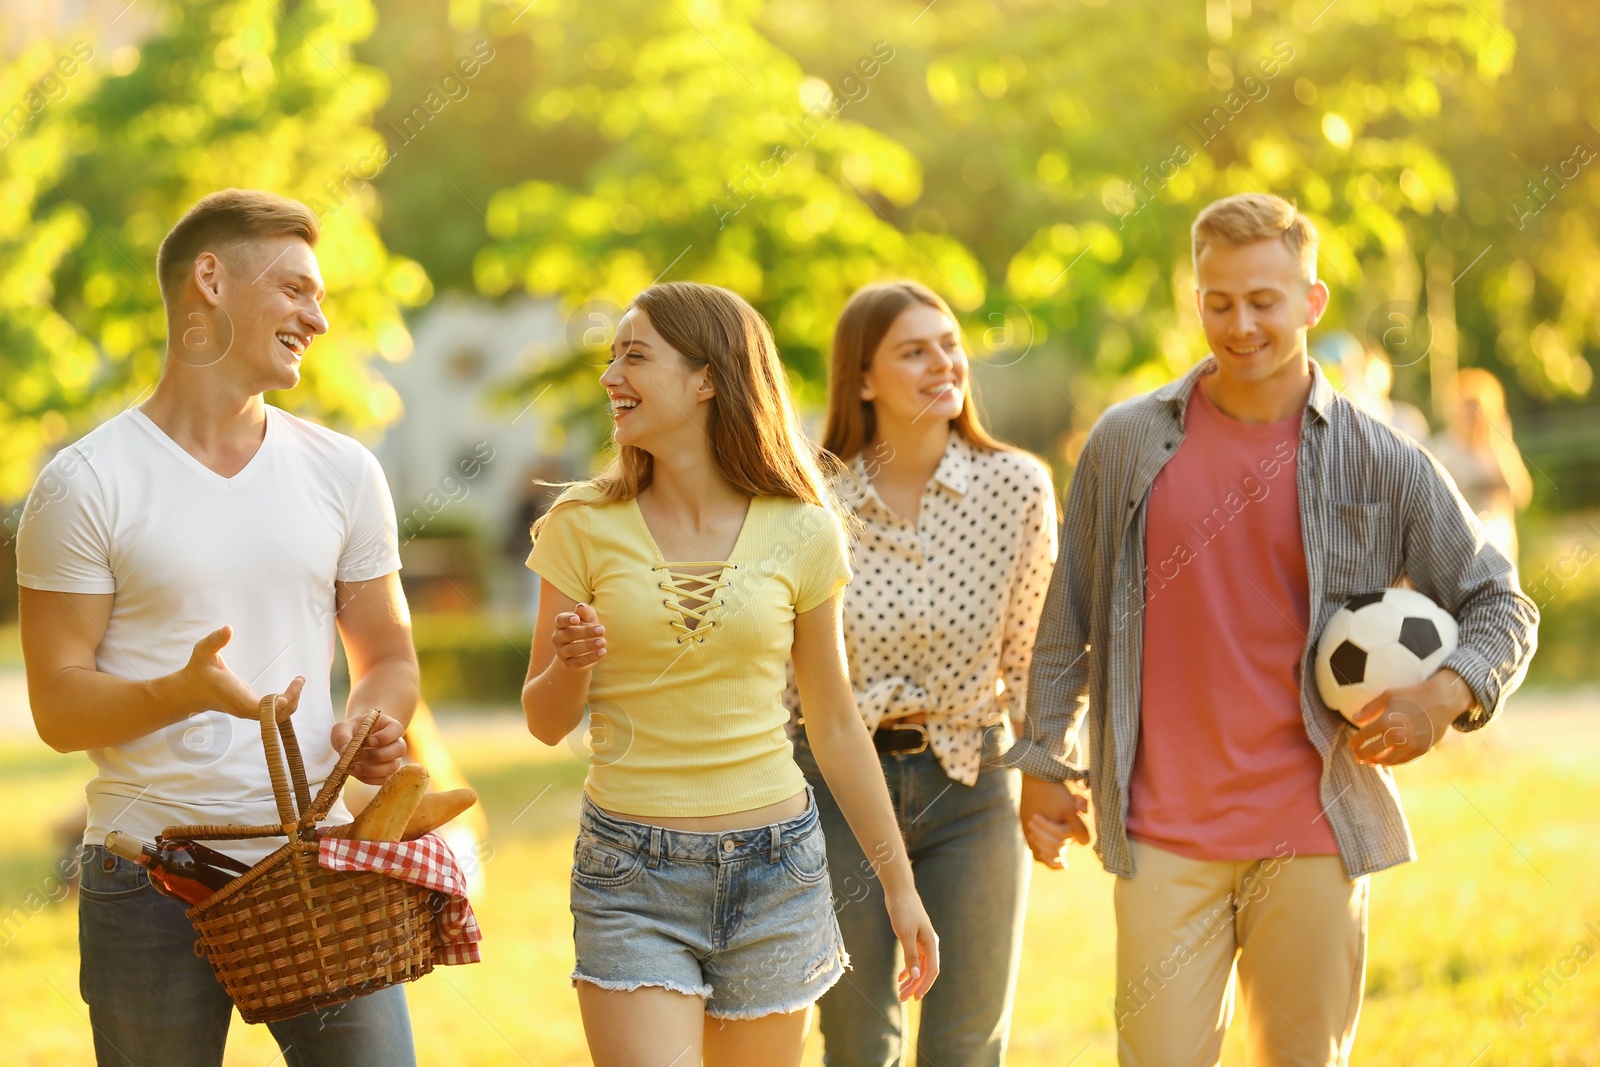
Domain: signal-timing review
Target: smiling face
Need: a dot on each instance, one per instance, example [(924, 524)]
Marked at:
[(265, 294), (919, 372), (656, 393), (1256, 305)]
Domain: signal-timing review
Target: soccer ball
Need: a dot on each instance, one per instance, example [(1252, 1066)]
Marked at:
[(1380, 641)]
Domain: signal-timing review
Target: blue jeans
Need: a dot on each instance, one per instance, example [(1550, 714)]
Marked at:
[(971, 868), (740, 917), (152, 1001)]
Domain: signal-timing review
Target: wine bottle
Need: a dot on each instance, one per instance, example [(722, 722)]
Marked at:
[(173, 868)]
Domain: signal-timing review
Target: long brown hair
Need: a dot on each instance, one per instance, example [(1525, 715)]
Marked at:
[(756, 440), (866, 318)]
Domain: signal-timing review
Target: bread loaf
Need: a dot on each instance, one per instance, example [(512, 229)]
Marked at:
[(386, 816), (437, 809)]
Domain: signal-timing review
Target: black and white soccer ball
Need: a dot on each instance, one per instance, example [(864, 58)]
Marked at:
[(1381, 641)]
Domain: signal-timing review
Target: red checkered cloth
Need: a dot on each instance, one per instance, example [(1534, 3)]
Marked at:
[(427, 862)]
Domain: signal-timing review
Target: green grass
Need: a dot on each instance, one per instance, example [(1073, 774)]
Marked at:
[(1505, 886)]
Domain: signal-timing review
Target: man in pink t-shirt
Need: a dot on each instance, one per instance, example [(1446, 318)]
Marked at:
[(1211, 529), (1224, 769)]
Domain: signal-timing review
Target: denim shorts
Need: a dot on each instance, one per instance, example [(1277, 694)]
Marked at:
[(742, 918)]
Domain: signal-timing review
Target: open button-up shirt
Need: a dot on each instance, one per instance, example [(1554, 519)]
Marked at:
[(942, 612), (1375, 508)]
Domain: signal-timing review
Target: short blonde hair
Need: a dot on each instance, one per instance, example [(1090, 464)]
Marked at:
[(226, 218), (1250, 217)]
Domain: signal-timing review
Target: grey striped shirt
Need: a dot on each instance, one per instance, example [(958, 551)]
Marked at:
[(1374, 509)]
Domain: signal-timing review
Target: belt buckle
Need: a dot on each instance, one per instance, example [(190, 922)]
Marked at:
[(919, 727)]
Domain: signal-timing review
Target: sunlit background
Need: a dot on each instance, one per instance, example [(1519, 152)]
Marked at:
[(496, 179)]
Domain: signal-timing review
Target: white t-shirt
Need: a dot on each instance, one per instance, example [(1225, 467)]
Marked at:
[(127, 511)]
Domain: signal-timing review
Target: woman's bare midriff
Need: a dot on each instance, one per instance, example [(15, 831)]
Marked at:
[(749, 819)]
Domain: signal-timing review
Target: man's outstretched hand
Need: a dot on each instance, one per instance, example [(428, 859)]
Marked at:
[(209, 683), (381, 754), (1051, 814), (1402, 724)]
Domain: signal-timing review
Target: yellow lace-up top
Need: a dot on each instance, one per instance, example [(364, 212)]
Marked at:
[(686, 711)]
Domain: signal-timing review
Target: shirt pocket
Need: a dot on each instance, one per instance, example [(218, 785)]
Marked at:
[(1363, 551)]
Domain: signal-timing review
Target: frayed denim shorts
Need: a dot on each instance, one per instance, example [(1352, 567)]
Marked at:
[(742, 918)]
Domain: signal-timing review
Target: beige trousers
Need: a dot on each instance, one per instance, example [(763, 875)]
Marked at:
[(1293, 928)]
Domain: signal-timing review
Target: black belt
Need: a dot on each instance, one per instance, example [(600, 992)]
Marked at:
[(900, 738)]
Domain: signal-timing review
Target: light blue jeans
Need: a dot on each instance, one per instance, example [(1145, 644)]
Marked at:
[(740, 917), (154, 1003), (971, 868)]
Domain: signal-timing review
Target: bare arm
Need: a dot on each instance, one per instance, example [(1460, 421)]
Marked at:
[(77, 706), (375, 625), (568, 640), (846, 758)]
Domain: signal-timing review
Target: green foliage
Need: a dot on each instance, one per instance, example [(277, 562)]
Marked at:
[(1525, 153), (1041, 164), (1038, 163), (722, 161), (243, 93), (467, 659)]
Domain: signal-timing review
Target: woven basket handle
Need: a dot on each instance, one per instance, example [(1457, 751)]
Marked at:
[(273, 743), (330, 788), (310, 810)]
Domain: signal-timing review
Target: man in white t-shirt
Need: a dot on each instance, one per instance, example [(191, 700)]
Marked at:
[(177, 563)]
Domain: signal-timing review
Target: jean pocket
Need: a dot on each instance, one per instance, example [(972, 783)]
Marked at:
[(107, 877), (806, 857), (602, 864)]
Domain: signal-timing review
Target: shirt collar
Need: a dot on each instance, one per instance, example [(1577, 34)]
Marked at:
[(1176, 394), (953, 472), (956, 464)]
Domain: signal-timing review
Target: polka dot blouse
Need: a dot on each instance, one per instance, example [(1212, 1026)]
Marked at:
[(942, 612)]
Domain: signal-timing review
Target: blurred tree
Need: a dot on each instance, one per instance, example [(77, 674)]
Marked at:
[(707, 154), (1071, 145), (1038, 162), (1046, 161), (237, 93)]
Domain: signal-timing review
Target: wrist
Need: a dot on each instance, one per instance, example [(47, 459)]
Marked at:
[(180, 693), (569, 670), (896, 876), (1453, 696)]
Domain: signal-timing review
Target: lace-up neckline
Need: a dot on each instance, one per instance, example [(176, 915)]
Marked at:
[(693, 591), (693, 594)]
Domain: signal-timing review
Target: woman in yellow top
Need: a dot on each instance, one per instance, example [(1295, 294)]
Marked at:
[(675, 586)]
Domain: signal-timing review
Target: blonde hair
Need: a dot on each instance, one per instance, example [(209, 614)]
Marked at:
[(866, 318), (1480, 389), (1250, 217), (756, 440), (226, 218)]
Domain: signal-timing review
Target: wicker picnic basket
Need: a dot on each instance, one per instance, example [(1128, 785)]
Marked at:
[(289, 936)]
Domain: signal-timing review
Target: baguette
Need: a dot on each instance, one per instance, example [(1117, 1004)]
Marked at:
[(436, 809), (386, 816)]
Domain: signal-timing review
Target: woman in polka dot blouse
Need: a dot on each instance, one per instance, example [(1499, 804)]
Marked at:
[(952, 557)]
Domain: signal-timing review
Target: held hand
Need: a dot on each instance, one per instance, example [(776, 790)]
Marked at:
[(917, 938), (1402, 724), (212, 685), (382, 752), (579, 638), (1051, 815)]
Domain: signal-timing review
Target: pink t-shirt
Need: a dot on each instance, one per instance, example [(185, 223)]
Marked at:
[(1224, 768)]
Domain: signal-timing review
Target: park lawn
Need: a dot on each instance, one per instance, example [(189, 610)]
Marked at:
[(1503, 891)]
